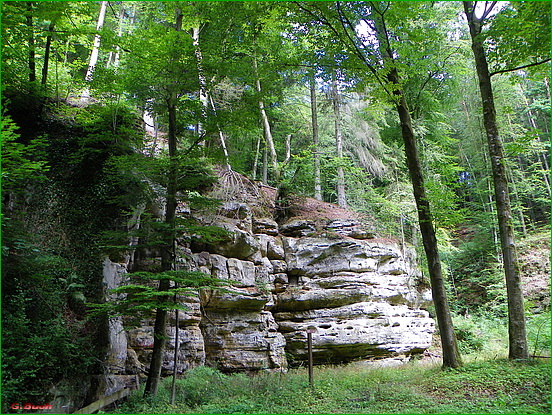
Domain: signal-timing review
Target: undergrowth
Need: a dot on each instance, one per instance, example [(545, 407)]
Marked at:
[(492, 386)]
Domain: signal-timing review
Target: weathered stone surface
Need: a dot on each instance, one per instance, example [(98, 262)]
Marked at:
[(242, 341), (219, 267), (361, 294), (243, 272), (357, 330), (265, 226), (235, 210), (278, 266), (239, 244), (275, 249), (114, 274), (300, 299), (323, 256), (191, 349), (349, 227), (298, 228), (234, 299)]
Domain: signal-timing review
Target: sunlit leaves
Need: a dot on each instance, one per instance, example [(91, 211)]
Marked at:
[(519, 35)]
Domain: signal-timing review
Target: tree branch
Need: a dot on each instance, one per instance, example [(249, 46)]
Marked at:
[(359, 52), (520, 67), (487, 10), (195, 143)]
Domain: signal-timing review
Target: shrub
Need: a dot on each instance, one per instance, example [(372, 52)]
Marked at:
[(469, 335)]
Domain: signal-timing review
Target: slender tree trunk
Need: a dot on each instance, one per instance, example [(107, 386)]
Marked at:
[(516, 315), (97, 40), (167, 260), (512, 180), (167, 253), (202, 81), (341, 196), (266, 126), (256, 159), (265, 164), (315, 143), (47, 54), (176, 349), (451, 355), (32, 58)]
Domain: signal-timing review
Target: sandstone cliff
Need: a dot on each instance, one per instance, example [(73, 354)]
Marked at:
[(322, 267)]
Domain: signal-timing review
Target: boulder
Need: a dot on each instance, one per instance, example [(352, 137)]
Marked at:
[(324, 256), (242, 272)]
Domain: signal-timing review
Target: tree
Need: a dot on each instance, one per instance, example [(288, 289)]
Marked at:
[(167, 253), (32, 52), (451, 356), (97, 40), (371, 53), (516, 313), (162, 73)]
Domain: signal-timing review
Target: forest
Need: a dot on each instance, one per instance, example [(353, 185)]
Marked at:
[(125, 121)]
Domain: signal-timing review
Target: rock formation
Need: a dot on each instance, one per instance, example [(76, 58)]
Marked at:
[(361, 293)]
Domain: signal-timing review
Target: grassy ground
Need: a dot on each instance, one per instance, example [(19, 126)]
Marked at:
[(489, 386)]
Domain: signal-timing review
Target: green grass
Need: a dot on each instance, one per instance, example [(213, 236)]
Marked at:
[(492, 386)]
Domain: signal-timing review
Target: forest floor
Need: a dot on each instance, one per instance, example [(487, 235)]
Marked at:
[(490, 385)]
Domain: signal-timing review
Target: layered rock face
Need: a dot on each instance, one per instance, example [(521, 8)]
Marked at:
[(360, 293)]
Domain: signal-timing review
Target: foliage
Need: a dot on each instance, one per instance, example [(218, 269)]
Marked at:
[(138, 297), (517, 35), (21, 163), (50, 245), (45, 338), (538, 333)]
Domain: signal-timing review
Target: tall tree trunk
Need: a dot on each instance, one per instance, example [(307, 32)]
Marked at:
[(32, 59), (167, 253), (266, 126), (202, 81), (451, 355), (97, 41), (176, 350), (315, 143), (518, 348), (265, 164), (341, 196), (47, 54), (167, 260), (256, 159)]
